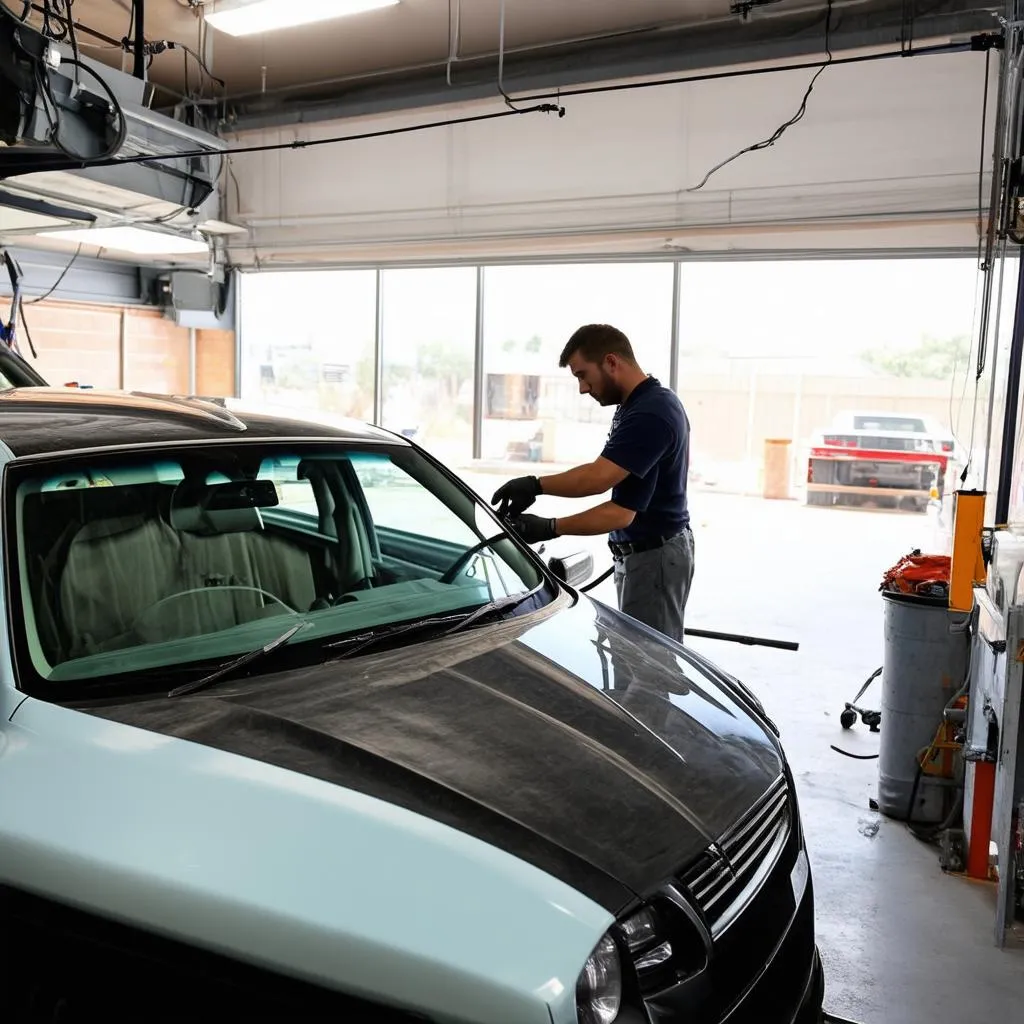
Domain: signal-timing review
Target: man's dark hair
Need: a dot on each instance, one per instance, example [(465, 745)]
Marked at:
[(594, 342)]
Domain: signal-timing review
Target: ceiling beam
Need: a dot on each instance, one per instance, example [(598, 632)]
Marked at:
[(878, 23)]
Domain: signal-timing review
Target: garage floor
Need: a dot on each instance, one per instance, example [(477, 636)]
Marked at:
[(902, 942)]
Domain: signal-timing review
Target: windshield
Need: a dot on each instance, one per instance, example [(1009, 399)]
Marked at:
[(141, 564), (889, 424)]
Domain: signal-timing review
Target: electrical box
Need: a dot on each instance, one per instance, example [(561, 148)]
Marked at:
[(186, 291), (191, 298)]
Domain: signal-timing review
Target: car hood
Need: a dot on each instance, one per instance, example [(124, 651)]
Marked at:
[(574, 738)]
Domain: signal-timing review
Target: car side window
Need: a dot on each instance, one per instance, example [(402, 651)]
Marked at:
[(293, 494), (398, 502)]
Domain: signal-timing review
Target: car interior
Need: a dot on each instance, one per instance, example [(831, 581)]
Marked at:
[(113, 560)]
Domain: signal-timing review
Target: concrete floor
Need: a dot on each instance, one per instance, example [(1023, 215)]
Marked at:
[(902, 942)]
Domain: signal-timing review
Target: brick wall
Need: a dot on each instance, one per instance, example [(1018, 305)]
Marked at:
[(134, 349)]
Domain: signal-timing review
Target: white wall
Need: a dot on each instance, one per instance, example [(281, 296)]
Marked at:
[(887, 155)]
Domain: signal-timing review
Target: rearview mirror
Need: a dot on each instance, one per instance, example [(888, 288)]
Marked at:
[(573, 569), (232, 507), (239, 494)]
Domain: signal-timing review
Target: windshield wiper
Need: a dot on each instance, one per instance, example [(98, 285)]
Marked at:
[(355, 644), (246, 659), (492, 608)]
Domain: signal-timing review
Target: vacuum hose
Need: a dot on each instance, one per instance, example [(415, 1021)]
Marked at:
[(708, 634)]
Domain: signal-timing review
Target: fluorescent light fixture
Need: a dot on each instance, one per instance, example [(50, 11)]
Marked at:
[(27, 220), (249, 17), (137, 241)]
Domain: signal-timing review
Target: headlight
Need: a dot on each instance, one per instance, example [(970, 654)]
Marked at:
[(641, 933), (599, 988)]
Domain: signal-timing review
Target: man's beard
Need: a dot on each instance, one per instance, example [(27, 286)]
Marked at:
[(609, 393)]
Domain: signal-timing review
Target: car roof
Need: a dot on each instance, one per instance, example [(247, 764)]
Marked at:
[(40, 421)]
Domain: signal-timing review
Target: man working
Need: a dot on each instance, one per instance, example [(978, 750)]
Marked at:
[(645, 463)]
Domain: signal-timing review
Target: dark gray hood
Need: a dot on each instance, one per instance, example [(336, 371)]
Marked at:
[(572, 738)]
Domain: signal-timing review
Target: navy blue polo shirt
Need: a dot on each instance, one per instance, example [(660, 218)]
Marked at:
[(650, 439)]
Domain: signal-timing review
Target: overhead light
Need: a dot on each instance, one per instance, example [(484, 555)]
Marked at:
[(249, 17), (138, 241), (12, 221)]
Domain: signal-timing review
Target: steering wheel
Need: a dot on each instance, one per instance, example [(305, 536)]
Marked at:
[(210, 590), (460, 563)]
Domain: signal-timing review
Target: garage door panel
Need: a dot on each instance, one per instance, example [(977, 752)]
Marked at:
[(880, 140)]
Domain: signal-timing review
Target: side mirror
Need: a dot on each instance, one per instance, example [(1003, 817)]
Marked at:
[(573, 569)]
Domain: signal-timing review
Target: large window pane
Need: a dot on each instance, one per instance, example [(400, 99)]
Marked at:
[(532, 409), (784, 350), (307, 340), (428, 351)]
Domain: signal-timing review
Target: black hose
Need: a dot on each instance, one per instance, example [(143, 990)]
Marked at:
[(913, 794), (867, 682), (600, 579), (708, 634), (856, 757)]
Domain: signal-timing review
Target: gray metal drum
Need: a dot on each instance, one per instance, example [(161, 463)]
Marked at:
[(927, 648)]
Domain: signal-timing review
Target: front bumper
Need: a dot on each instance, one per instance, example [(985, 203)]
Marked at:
[(791, 988)]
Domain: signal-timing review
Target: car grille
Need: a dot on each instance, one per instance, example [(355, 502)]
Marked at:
[(742, 858)]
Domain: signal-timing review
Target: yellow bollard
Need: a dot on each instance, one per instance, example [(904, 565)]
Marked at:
[(967, 567)]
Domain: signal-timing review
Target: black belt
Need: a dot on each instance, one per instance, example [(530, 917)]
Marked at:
[(634, 547)]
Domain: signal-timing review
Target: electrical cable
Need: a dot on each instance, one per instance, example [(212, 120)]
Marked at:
[(54, 121), (982, 294), (940, 49), (234, 179), (981, 156), (992, 374), (28, 333), (276, 147), (717, 76), (786, 125), (74, 42), (26, 10), (156, 48), (56, 284)]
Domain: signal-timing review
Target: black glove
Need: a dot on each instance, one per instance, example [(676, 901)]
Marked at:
[(534, 529), (516, 496)]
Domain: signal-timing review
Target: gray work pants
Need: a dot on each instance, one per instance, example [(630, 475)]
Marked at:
[(653, 585)]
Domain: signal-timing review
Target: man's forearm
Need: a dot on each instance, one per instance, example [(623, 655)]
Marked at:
[(580, 482), (597, 520)]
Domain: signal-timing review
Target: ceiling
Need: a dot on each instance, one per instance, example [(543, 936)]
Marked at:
[(432, 53), (420, 51)]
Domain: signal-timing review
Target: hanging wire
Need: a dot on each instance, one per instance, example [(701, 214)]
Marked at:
[(786, 125), (992, 369), (986, 254), (56, 284)]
